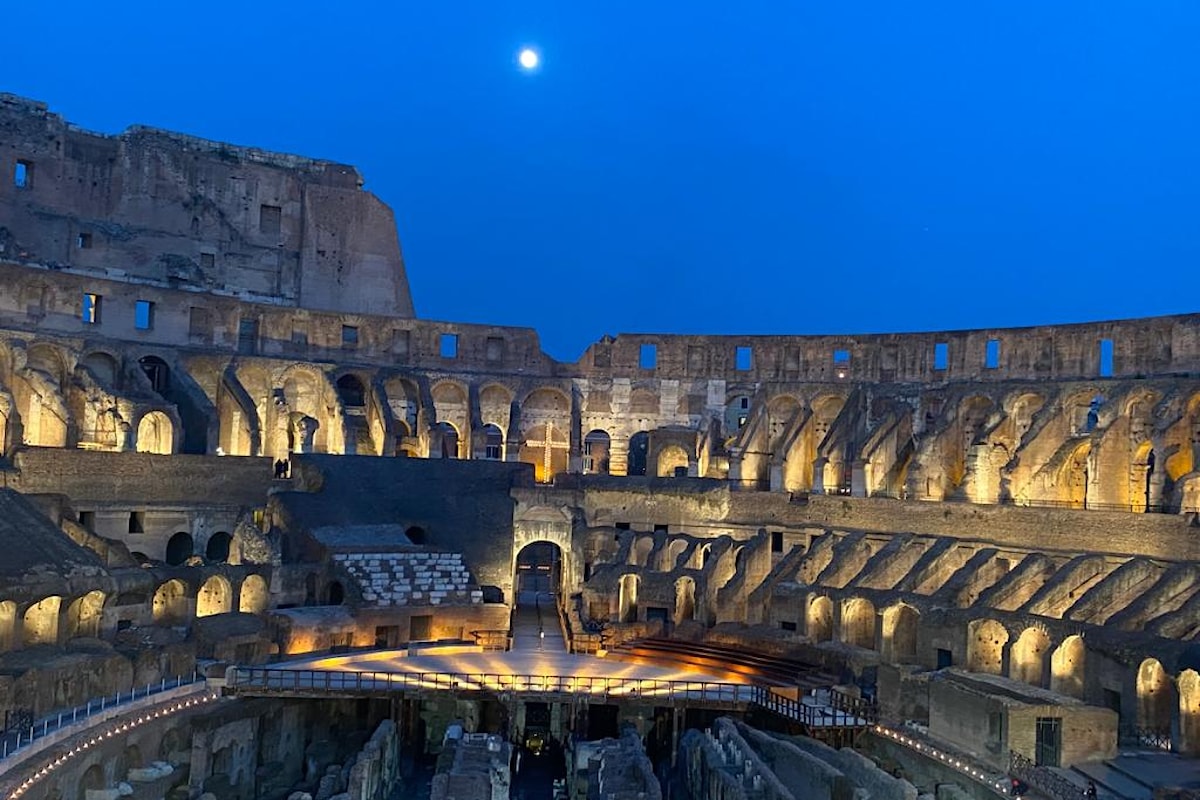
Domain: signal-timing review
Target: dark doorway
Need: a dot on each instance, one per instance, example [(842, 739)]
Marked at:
[(1048, 744), (217, 550), (179, 548), (420, 628), (603, 722), (639, 446), (945, 658)]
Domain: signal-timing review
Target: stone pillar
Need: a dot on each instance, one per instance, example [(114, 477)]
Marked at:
[(818, 483), (618, 456), (858, 478), (776, 477)]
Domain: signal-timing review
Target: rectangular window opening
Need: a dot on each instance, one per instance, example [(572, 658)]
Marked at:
[(449, 345), (1106, 358), (941, 356), (88, 520), (841, 357), (91, 309), (787, 625), (349, 336), (744, 359), (198, 322), (23, 174), (270, 220), (622, 526), (207, 260), (776, 541), (84, 241), (143, 315), (991, 359), (495, 349), (137, 522), (648, 356)]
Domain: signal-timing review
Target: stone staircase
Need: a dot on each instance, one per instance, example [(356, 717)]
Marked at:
[(411, 579)]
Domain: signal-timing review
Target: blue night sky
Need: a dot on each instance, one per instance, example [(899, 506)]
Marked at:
[(699, 166)]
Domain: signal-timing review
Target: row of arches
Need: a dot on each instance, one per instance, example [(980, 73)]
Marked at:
[(55, 619)]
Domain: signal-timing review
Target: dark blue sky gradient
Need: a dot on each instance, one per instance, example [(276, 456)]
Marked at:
[(699, 166)]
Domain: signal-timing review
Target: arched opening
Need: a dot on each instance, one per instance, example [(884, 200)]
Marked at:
[(1155, 698), (858, 623), (547, 448), (415, 534), (130, 759), (91, 781), (170, 605), (84, 615), (596, 446), (8, 625), (493, 443), (103, 368), (253, 597), (986, 640), (157, 372), (639, 551), (538, 572), (900, 624), (180, 548), (627, 601), (1067, 665), (351, 392), (335, 594), (818, 622), (639, 447), (217, 549), (41, 621), (215, 597), (1074, 477), (672, 461), (685, 600), (1027, 660), (155, 433), (1189, 712), (443, 441), (675, 549)]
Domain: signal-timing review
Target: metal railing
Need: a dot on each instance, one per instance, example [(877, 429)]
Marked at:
[(1044, 780), (1137, 736), (16, 738), (843, 710)]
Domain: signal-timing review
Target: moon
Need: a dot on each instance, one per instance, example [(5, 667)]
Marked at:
[(528, 58)]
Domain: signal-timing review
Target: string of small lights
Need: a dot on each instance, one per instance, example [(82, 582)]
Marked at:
[(104, 735), (949, 759)]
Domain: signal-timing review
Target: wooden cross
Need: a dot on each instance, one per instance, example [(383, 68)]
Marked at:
[(547, 444)]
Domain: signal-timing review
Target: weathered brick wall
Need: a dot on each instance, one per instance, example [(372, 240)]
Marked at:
[(141, 478)]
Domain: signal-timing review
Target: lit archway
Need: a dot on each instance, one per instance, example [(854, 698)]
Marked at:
[(672, 461), (41, 621), (819, 620), (84, 615), (1027, 659), (170, 604), (858, 623), (627, 602), (8, 625), (215, 597), (444, 442), (1067, 667), (155, 434), (1155, 697), (493, 443), (253, 597), (986, 640), (596, 447), (900, 624), (685, 600), (1189, 712)]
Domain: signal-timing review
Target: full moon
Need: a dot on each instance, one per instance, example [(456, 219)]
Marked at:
[(528, 58)]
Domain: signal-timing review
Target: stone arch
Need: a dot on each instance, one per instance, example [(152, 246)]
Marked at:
[(170, 604), (48, 360), (215, 597), (818, 622), (155, 433), (858, 623), (416, 534), (103, 367), (307, 424), (627, 599), (1189, 712), (493, 443), (781, 409), (685, 599), (8, 625), (1027, 658), (92, 780), (216, 551), (803, 448), (1067, 667), (1155, 697), (986, 641), (335, 593), (252, 599), (84, 615), (1074, 476), (131, 758), (40, 624), (639, 551), (900, 624), (351, 391), (444, 441), (180, 547), (671, 458), (597, 445), (675, 549), (639, 450)]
